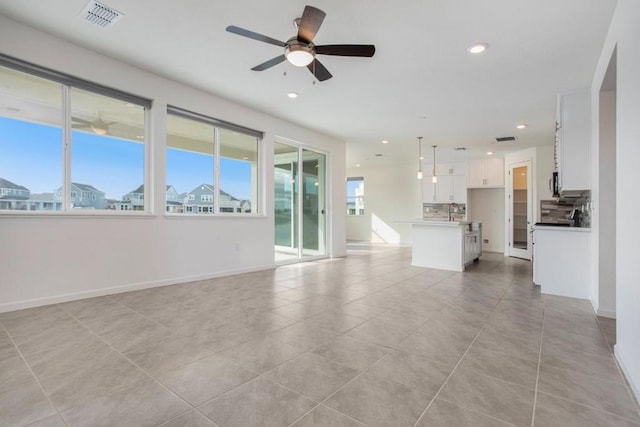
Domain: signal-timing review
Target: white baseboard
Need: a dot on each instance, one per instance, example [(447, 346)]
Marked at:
[(635, 390), (38, 302), (606, 313)]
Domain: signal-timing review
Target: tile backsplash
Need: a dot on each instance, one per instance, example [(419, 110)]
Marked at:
[(558, 211), (444, 211)]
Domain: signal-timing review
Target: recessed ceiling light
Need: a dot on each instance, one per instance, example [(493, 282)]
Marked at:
[(357, 165), (384, 141), (292, 95), (489, 153), (477, 48), (522, 126)]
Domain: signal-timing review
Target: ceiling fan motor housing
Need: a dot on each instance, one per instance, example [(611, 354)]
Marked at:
[(299, 53)]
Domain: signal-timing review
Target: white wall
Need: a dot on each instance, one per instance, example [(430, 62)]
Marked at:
[(623, 36), (391, 194), (606, 302), (486, 205), (47, 259)]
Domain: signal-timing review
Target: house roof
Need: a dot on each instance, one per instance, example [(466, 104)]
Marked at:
[(85, 187), (42, 197), (4, 183)]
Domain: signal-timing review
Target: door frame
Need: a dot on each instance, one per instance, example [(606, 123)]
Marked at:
[(513, 251), (300, 147)]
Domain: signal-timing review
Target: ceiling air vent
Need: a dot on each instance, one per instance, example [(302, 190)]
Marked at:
[(100, 14), (506, 139)]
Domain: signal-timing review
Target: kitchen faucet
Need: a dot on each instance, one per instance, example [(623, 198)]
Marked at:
[(453, 207)]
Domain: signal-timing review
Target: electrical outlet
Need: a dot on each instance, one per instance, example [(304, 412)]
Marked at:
[(485, 240)]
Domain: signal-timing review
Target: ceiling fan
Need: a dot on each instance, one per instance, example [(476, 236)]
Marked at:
[(98, 126), (300, 50)]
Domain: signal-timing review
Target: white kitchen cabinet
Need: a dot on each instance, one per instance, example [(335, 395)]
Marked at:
[(456, 168), (451, 186), (471, 247), (561, 259), (574, 140), (485, 173), (448, 189)]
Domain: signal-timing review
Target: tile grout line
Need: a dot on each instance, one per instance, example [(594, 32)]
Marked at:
[(144, 371), (635, 400), (460, 361), (535, 394), (338, 390), (34, 377)]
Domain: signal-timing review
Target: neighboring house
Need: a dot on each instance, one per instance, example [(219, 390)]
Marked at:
[(83, 196), (43, 202), (199, 200), (134, 200), (174, 200), (13, 196), (245, 206)]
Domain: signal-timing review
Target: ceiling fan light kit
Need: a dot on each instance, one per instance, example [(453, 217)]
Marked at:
[(299, 54), (300, 49)]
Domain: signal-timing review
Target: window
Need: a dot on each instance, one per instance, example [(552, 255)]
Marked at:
[(213, 162), (355, 196), (46, 168)]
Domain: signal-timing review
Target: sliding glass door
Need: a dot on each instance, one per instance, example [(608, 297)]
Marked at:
[(299, 203)]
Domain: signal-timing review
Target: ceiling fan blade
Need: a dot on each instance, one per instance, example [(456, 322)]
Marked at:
[(253, 35), (319, 70), (270, 63), (310, 23), (364, 50)]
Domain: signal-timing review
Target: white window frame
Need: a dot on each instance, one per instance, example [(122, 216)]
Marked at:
[(217, 124), (355, 198), (68, 82)]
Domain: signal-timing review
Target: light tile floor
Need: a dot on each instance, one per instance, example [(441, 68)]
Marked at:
[(363, 340)]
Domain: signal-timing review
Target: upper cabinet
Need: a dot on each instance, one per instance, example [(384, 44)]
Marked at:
[(457, 168), (450, 186), (573, 140), (485, 173)]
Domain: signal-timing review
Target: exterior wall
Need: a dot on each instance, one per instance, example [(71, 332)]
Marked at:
[(134, 252)]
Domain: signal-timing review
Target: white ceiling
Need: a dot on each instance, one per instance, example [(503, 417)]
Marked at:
[(421, 81)]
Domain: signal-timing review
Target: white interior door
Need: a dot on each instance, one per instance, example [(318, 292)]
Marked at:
[(520, 210)]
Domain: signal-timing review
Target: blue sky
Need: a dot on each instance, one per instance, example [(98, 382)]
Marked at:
[(351, 187), (31, 156)]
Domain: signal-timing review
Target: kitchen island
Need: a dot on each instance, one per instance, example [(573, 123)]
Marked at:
[(446, 245)]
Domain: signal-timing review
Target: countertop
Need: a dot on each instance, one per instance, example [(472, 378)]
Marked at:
[(418, 221), (569, 229)]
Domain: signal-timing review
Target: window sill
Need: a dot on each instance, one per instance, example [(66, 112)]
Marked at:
[(214, 216), (97, 215)]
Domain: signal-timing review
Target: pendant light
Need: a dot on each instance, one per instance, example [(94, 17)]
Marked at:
[(419, 175), (434, 179)]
